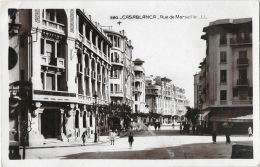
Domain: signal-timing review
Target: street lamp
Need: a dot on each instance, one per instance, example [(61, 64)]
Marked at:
[(96, 115)]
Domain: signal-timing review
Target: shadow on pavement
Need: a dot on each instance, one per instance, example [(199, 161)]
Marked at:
[(190, 151)]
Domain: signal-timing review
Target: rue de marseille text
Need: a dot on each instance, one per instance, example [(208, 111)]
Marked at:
[(159, 17)]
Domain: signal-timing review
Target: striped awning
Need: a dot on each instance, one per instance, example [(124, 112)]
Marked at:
[(232, 116)]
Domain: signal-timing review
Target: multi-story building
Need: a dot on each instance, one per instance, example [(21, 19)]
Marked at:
[(153, 95), (139, 86), (180, 102), (58, 59), (163, 97), (226, 75), (121, 74), (197, 85)]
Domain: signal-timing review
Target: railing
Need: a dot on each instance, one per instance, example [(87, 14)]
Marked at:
[(236, 102), (95, 48), (93, 75), (79, 68), (44, 60), (242, 61), (99, 77), (87, 71), (243, 82), (104, 80), (54, 26), (247, 40), (223, 102), (60, 62)]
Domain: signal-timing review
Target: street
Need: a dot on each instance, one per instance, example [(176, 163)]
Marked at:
[(167, 143)]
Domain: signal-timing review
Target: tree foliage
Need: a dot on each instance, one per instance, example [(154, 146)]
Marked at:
[(192, 115)]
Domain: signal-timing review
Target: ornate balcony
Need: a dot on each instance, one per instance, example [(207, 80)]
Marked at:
[(99, 78), (79, 69), (242, 62), (53, 26), (94, 77), (87, 72), (243, 82), (241, 41), (57, 62)]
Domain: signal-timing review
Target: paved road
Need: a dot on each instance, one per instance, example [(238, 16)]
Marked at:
[(164, 144)]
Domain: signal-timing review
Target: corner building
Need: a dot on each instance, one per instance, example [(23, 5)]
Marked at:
[(226, 81), (61, 58)]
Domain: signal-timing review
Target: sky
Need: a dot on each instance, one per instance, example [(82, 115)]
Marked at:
[(170, 47)]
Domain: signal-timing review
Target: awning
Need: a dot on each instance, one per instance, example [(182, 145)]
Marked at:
[(205, 113), (229, 115)]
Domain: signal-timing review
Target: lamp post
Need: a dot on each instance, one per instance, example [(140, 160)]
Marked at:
[(96, 115)]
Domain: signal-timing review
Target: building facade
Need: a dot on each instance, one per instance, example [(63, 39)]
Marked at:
[(61, 67), (226, 79), (121, 74)]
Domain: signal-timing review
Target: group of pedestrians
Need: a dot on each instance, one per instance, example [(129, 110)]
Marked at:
[(227, 134)]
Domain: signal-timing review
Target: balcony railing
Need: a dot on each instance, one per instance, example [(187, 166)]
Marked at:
[(104, 80), (243, 82), (79, 68), (53, 26), (223, 102), (87, 72), (99, 78), (94, 77), (242, 102), (242, 61), (240, 41), (57, 62), (60, 62)]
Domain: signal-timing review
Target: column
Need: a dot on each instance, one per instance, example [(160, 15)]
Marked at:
[(96, 41), (55, 49), (35, 56), (44, 79), (101, 83), (90, 36), (90, 74), (107, 51), (40, 111), (101, 46), (84, 30), (96, 75), (56, 81), (84, 72)]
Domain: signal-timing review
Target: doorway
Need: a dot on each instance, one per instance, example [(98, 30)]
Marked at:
[(51, 123)]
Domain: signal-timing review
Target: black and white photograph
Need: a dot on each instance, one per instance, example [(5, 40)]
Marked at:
[(129, 83)]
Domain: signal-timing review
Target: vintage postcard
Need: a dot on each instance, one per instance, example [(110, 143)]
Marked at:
[(130, 83)]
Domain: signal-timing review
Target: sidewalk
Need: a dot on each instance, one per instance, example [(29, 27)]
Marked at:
[(52, 143)]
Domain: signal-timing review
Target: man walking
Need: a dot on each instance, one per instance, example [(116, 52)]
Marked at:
[(130, 139), (112, 137), (83, 138), (214, 136)]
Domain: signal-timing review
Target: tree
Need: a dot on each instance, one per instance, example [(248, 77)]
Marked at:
[(192, 115)]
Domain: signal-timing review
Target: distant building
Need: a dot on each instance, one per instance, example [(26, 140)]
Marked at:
[(139, 86), (165, 98), (226, 76), (121, 74)]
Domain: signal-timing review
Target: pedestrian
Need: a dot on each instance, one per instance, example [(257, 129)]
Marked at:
[(193, 129), (159, 126), (155, 126), (180, 129), (130, 139), (214, 136), (228, 136), (112, 137), (250, 131), (83, 136)]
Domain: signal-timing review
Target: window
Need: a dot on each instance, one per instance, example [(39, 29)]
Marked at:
[(235, 92), (223, 95), (242, 54), (42, 46), (223, 57), (111, 87), (250, 92), (223, 39), (50, 82), (223, 76)]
